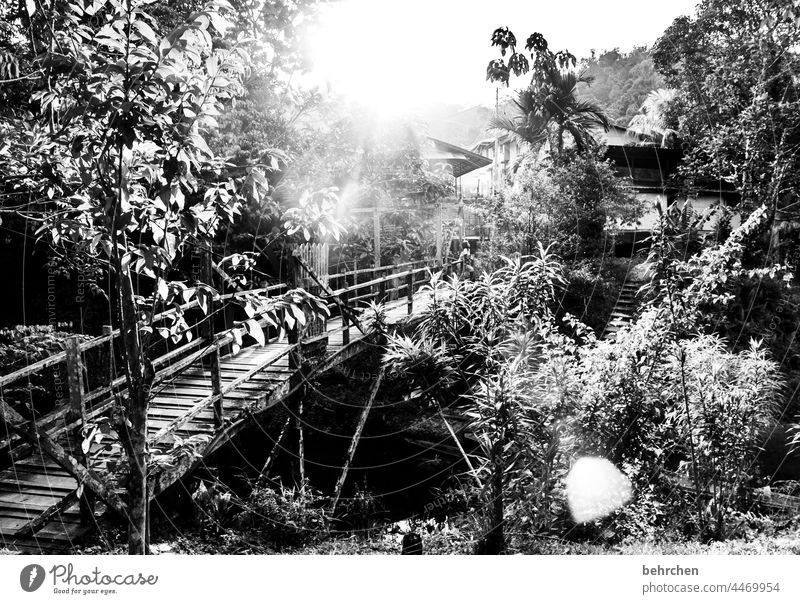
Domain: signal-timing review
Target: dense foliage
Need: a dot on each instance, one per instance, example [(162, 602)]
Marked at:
[(572, 203), (136, 134), (110, 155), (735, 68)]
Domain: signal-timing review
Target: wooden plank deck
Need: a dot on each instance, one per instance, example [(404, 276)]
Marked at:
[(34, 483)]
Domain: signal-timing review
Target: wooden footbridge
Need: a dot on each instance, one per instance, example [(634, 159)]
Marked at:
[(203, 394)]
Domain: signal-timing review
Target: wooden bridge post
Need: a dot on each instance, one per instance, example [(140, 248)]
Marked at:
[(439, 237), (207, 332), (216, 387), (315, 257), (345, 297), (295, 278), (376, 234), (382, 288), (410, 292), (77, 413), (107, 358), (75, 378)]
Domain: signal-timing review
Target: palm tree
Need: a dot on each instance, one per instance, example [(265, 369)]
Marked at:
[(527, 124), (655, 120), (550, 106)]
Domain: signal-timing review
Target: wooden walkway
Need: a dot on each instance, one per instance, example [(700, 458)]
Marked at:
[(34, 487)]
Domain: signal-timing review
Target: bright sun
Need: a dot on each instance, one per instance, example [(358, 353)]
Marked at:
[(376, 54)]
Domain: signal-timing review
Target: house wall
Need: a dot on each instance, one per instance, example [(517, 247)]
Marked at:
[(702, 205), (503, 151), (615, 136), (650, 218), (477, 183)]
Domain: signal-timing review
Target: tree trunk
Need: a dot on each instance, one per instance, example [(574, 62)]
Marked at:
[(137, 480), (139, 374), (496, 539), (134, 435)]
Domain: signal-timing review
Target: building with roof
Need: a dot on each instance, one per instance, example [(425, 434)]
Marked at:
[(456, 160), (503, 151), (650, 169)]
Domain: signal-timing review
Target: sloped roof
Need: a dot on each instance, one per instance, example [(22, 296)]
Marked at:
[(462, 161)]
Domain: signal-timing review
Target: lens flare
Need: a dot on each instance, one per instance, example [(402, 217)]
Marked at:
[(595, 489)]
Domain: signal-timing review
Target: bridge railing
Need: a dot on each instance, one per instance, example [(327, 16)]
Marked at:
[(343, 279), (381, 289), (377, 288), (86, 403)]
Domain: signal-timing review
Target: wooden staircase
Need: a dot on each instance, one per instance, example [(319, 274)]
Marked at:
[(624, 309)]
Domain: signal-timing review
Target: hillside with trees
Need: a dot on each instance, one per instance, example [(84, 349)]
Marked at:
[(621, 81)]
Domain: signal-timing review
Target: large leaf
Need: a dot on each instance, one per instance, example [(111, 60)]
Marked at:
[(254, 329)]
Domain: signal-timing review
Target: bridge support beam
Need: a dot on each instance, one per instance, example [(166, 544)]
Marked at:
[(381, 299), (107, 357), (439, 237), (345, 298), (351, 451), (376, 234)]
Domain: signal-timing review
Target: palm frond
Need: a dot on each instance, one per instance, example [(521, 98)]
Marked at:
[(509, 124), (591, 114), (526, 129)]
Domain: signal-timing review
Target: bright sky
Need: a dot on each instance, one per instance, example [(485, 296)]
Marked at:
[(398, 54)]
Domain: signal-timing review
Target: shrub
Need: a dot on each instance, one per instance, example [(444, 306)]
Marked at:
[(288, 517), (651, 404), (478, 338), (732, 399)]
